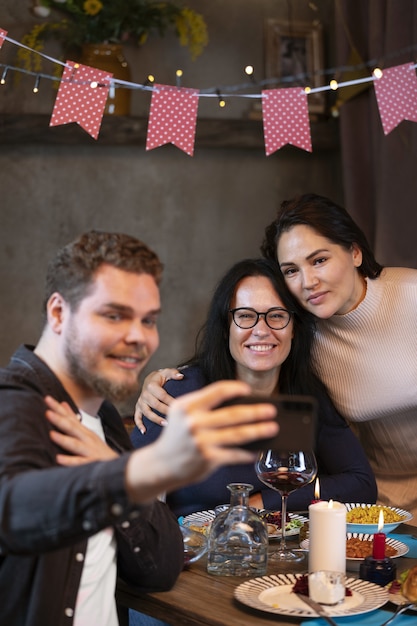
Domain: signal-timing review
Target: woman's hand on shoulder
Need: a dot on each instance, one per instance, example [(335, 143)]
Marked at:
[(153, 397), (81, 444)]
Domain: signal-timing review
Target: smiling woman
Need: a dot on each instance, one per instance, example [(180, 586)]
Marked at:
[(366, 333), (305, 259), (258, 345), (257, 332)]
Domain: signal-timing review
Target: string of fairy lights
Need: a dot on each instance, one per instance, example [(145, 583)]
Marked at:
[(375, 68)]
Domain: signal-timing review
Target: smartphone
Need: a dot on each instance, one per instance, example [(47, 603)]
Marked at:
[(297, 419)]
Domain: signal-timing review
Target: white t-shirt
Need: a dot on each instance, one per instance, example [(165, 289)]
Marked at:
[(96, 603)]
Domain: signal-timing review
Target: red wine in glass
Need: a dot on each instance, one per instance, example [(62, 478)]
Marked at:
[(285, 472), (284, 481)]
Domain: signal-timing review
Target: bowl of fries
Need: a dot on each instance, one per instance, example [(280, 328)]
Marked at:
[(360, 545), (364, 518)]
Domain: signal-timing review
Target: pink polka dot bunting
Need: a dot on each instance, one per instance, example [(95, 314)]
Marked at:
[(285, 119), (3, 34), (172, 118), (77, 101), (396, 94)]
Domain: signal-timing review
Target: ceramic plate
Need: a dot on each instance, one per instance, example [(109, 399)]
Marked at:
[(353, 564), (204, 518), (273, 594), (399, 599), (373, 528)]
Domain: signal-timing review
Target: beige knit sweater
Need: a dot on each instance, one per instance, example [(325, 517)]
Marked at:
[(368, 361)]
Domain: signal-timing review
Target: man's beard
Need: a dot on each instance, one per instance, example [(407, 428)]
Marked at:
[(81, 369)]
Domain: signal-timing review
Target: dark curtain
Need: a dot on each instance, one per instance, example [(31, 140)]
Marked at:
[(379, 171)]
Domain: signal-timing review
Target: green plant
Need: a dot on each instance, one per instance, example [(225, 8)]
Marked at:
[(111, 21)]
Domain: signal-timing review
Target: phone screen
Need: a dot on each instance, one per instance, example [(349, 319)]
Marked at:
[(297, 419)]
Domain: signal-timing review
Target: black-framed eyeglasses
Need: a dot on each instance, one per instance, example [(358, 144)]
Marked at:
[(276, 318)]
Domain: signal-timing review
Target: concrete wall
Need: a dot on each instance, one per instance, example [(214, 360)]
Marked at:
[(200, 214)]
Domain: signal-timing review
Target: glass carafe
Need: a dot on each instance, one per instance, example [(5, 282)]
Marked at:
[(238, 539)]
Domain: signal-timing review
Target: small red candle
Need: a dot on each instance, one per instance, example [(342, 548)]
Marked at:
[(379, 539), (316, 492)]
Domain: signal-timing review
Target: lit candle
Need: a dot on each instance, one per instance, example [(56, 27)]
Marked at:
[(378, 551), (316, 491), (327, 544)]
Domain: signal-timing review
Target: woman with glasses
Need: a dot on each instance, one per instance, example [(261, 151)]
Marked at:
[(256, 331)]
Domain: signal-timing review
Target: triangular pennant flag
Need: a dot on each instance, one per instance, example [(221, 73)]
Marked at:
[(172, 117), (81, 97), (396, 94), (285, 119), (3, 34)]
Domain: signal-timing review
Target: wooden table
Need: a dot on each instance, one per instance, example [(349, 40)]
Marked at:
[(199, 598)]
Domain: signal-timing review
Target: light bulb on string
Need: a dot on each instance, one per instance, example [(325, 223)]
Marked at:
[(3, 76), (334, 85), (222, 102), (250, 71), (179, 74), (377, 73), (36, 85)]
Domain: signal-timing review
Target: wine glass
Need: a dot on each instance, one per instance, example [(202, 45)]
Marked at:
[(285, 472)]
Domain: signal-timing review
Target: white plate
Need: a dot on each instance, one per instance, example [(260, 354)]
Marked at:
[(373, 528), (273, 594), (204, 518), (353, 564), (399, 599)]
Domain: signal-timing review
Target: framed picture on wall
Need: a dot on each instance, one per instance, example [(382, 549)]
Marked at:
[(294, 56)]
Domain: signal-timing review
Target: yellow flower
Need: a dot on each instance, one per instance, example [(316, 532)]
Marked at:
[(192, 31), (114, 21), (92, 7)]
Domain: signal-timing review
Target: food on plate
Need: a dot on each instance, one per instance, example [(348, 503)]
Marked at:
[(409, 585), (406, 585), (273, 518), (203, 528), (358, 548), (370, 515), (272, 529), (301, 586)]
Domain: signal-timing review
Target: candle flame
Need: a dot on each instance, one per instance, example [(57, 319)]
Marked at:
[(317, 489), (330, 505), (381, 521)]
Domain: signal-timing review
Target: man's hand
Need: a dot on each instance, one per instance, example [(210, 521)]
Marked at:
[(154, 398), (198, 439), (82, 445)]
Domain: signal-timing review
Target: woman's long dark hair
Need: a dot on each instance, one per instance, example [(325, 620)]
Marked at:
[(212, 352), (329, 220)]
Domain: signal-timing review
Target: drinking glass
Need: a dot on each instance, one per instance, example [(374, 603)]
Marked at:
[(285, 472), (195, 545)]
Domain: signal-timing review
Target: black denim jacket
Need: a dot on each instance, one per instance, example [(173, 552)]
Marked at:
[(48, 512)]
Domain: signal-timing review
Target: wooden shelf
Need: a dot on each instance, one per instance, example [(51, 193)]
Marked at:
[(131, 131)]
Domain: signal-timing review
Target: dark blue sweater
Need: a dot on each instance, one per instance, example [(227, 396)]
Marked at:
[(343, 469)]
